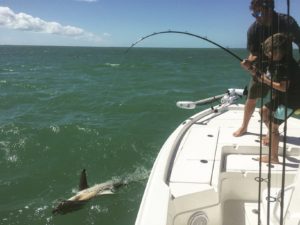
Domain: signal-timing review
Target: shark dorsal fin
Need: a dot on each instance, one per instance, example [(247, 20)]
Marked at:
[(83, 181)]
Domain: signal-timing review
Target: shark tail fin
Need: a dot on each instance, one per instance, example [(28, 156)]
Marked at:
[(83, 181)]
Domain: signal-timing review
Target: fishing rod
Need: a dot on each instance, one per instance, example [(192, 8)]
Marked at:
[(192, 105), (189, 34), (229, 96)]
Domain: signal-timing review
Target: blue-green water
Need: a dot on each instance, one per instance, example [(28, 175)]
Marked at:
[(63, 109)]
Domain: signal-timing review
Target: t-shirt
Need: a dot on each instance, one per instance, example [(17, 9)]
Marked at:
[(258, 33), (287, 70), (294, 87)]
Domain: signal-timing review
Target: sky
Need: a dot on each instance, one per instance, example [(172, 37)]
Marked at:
[(119, 23)]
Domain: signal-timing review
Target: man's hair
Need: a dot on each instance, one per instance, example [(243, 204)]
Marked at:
[(262, 3), (279, 42)]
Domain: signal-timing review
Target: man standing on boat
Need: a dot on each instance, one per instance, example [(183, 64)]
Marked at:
[(285, 82), (267, 23)]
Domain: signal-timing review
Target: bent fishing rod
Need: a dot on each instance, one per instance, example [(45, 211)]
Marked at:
[(189, 34), (257, 74)]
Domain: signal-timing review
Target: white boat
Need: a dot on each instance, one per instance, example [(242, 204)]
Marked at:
[(203, 175)]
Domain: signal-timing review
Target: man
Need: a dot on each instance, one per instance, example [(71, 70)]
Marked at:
[(267, 23), (285, 83)]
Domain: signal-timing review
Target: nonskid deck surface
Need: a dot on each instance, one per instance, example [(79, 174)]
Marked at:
[(240, 213)]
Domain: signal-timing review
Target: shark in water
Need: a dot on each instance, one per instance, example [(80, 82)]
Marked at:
[(85, 194)]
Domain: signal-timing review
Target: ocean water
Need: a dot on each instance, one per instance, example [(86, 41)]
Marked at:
[(63, 109)]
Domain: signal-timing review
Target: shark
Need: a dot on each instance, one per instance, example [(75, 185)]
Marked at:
[(86, 193)]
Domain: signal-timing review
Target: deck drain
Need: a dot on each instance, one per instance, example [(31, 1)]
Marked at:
[(210, 135), (203, 161), (198, 218), (270, 165)]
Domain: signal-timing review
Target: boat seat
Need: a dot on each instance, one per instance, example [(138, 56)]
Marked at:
[(291, 212), (194, 164), (243, 163), (275, 199)]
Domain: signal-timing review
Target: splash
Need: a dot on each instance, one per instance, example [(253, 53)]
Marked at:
[(140, 174)]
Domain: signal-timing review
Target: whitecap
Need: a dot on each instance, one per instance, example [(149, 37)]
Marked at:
[(49, 219), (112, 64), (85, 130), (5, 146), (40, 210), (74, 190), (99, 209), (12, 158), (55, 128)]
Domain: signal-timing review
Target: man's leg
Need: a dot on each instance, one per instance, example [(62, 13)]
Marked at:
[(248, 111), (274, 146), (265, 116)]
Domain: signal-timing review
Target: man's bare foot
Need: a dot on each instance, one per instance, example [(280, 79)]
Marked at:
[(240, 132), (265, 140), (265, 159)]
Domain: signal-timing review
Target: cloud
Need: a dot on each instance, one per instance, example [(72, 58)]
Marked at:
[(22, 21), (106, 34)]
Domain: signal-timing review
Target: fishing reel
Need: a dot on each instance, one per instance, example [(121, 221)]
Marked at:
[(232, 95)]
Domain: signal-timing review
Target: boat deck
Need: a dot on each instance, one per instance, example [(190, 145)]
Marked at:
[(211, 149), (211, 161)]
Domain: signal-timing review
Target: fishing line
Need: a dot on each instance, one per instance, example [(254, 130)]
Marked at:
[(189, 34), (284, 137)]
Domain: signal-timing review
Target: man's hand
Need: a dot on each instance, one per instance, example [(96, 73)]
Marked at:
[(255, 73), (246, 64)]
